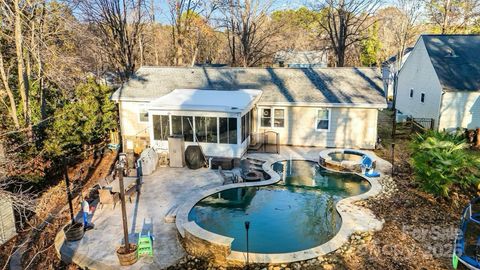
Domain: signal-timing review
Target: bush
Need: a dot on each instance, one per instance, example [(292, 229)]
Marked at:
[(440, 160)]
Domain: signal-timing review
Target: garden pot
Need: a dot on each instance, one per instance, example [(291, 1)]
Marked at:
[(127, 258), (73, 232)]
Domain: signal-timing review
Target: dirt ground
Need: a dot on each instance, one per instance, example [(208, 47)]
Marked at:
[(52, 214)]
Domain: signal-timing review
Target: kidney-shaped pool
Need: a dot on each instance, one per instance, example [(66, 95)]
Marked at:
[(294, 214)]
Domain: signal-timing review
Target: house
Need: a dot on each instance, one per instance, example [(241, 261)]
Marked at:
[(441, 80), (390, 67), (222, 108), (301, 59)]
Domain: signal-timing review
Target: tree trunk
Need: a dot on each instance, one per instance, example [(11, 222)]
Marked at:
[(13, 105), (445, 16), (23, 85)]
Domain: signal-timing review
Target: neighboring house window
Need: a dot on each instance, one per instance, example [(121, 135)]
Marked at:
[(143, 117), (272, 117), (422, 98), (411, 93), (323, 120)]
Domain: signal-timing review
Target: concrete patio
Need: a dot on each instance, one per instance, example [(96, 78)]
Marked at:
[(162, 193)]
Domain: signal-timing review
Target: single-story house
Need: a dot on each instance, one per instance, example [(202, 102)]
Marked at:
[(221, 108), (390, 68), (440, 80)]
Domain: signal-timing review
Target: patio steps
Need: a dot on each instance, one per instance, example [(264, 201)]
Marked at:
[(171, 215), (256, 164)]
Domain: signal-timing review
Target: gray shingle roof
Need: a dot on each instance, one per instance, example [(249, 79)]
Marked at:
[(456, 59), (345, 86)]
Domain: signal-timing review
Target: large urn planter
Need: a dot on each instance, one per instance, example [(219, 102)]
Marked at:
[(73, 231), (127, 257)]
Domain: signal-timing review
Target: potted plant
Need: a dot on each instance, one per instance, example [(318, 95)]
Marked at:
[(127, 254), (73, 231)]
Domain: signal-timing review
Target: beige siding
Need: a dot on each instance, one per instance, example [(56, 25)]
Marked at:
[(135, 133), (418, 74), (460, 109), (349, 127)]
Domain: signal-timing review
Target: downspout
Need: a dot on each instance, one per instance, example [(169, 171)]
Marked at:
[(439, 112)]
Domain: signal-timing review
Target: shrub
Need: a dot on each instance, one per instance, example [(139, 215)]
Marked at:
[(440, 160)]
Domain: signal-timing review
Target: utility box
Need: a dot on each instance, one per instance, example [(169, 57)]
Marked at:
[(176, 150)]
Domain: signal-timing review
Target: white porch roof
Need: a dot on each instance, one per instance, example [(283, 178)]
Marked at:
[(233, 101)]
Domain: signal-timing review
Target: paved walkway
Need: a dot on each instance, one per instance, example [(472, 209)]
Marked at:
[(161, 192)]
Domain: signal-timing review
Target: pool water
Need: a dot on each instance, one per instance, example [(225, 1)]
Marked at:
[(295, 214)]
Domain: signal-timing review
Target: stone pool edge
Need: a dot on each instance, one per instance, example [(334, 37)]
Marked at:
[(354, 219)]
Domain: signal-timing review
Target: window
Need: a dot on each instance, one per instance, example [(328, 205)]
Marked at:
[(161, 130), (323, 120), (143, 116), (206, 129), (246, 126), (411, 93), (279, 118), (266, 117), (228, 130), (272, 119), (422, 97), (187, 122)]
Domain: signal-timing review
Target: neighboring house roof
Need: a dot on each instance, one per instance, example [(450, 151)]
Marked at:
[(302, 57), (393, 58), (283, 86), (456, 60), (207, 100)]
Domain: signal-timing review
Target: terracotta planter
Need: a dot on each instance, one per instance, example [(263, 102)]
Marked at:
[(129, 258), (73, 232)]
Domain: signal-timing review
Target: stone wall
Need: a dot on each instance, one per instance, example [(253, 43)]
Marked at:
[(215, 253)]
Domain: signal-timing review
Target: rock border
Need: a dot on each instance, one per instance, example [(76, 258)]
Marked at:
[(354, 219)]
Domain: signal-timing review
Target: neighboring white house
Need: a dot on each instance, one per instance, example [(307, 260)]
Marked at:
[(221, 108), (301, 59), (389, 69), (441, 80)]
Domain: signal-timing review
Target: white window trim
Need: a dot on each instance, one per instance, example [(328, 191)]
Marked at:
[(329, 119), (272, 117), (424, 96)]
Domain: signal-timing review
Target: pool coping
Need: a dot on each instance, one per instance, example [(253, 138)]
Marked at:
[(364, 220)]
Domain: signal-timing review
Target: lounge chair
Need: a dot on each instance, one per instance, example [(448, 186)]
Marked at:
[(228, 177), (369, 166)]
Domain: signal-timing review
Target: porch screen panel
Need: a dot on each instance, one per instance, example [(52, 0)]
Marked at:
[(223, 128), (177, 125), (187, 128), (228, 130), (232, 130), (200, 130), (211, 126), (161, 128)]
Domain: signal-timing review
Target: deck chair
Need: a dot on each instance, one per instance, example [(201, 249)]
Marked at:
[(228, 177), (369, 166)]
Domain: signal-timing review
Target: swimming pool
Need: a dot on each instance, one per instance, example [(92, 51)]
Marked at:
[(294, 214)]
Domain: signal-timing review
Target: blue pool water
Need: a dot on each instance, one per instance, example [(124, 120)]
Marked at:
[(295, 214)]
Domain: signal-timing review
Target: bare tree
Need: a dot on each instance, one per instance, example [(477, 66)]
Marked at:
[(405, 28), (247, 24), (120, 24), (344, 22), (453, 16)]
